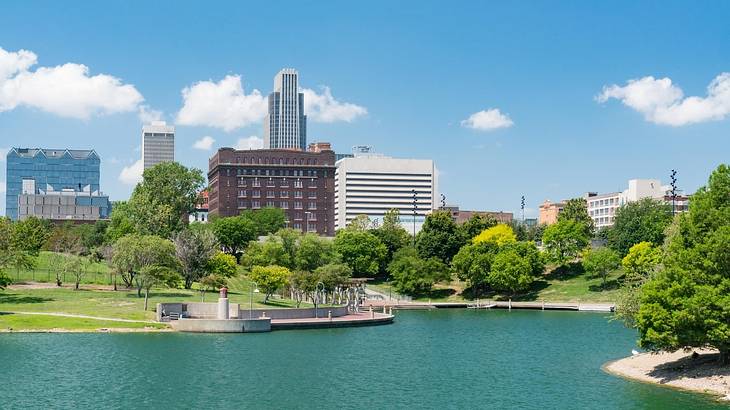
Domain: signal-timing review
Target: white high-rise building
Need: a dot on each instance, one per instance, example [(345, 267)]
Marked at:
[(285, 125), (372, 184), (602, 208), (158, 143)]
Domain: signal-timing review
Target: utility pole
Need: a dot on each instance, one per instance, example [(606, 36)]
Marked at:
[(443, 201), (673, 177), (522, 206), (415, 200)]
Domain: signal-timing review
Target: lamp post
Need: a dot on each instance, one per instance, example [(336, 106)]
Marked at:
[(254, 289), (316, 296), (673, 177), (415, 201)]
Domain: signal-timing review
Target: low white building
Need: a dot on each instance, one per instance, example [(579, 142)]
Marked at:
[(602, 207), (372, 184)]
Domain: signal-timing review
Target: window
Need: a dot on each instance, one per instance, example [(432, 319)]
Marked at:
[(256, 183), (297, 194), (298, 226), (298, 184), (269, 194), (270, 183), (284, 205), (284, 183), (242, 182), (242, 193), (297, 205), (312, 195), (270, 204), (256, 194), (255, 204), (284, 194), (311, 227), (312, 205), (242, 204)]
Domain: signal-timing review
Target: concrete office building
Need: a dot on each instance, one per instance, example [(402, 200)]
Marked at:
[(372, 184), (158, 143), (55, 184), (299, 182), (549, 212), (285, 125), (602, 208), (460, 216)]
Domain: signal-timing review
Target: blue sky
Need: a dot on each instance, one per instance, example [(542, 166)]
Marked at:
[(404, 77)]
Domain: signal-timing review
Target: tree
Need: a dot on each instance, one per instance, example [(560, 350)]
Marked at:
[(267, 220), (269, 252), (333, 275), (576, 210), (476, 225), (599, 262), (439, 237), (269, 278), (78, 266), (152, 275), (222, 265), (6, 229), (412, 275), (473, 263), (30, 234), (360, 223), (500, 234), (360, 250), (510, 272), (211, 282), (160, 204), (132, 253), (120, 223), (303, 284), (392, 234), (289, 241), (641, 221), (687, 302), (234, 233), (194, 248), (564, 240), (641, 262), (313, 252)]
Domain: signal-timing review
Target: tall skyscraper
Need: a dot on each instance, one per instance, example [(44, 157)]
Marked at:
[(158, 143), (285, 125)]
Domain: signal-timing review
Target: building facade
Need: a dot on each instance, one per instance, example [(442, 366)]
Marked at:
[(549, 212), (55, 184), (372, 184), (285, 125), (200, 214), (602, 208), (158, 143), (299, 182), (460, 216)]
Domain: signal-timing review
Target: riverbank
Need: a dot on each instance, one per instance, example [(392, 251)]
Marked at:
[(680, 370)]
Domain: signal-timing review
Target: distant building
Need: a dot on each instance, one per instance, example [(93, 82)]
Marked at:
[(285, 125), (372, 184), (460, 216), (200, 214), (549, 212), (299, 182), (54, 184), (158, 143)]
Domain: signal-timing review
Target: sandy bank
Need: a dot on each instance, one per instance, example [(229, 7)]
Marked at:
[(679, 370)]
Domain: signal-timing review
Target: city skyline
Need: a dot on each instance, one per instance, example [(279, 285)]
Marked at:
[(611, 107)]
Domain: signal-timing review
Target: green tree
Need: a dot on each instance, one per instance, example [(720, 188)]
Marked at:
[(576, 210), (194, 248), (599, 262), (269, 252), (303, 284), (120, 223), (211, 282), (392, 234), (152, 275), (160, 204), (222, 265), (78, 266), (687, 303), (476, 225), (439, 237), (269, 278), (267, 220), (500, 234), (361, 251), (412, 275), (313, 252), (641, 262), (510, 272), (360, 223), (333, 275), (564, 240), (30, 234), (289, 240), (473, 263), (234, 233), (641, 221), (132, 253)]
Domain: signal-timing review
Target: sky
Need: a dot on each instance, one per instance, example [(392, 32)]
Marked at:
[(543, 99)]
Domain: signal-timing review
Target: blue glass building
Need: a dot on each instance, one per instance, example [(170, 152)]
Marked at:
[(60, 184)]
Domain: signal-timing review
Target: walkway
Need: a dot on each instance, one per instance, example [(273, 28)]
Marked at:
[(350, 320)]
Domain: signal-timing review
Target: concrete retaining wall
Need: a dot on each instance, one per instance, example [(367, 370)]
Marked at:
[(222, 326), (207, 310)]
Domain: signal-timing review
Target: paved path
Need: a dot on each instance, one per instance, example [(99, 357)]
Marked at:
[(111, 319)]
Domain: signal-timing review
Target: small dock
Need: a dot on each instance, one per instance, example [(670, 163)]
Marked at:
[(492, 304)]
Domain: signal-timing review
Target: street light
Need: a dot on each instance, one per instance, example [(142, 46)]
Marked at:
[(254, 289), (523, 209), (673, 176), (316, 296)]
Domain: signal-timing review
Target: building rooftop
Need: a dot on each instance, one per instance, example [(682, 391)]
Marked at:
[(54, 153)]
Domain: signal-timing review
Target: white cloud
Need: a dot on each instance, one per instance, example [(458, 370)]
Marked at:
[(132, 174), (325, 108), (205, 143), (252, 142), (147, 114), (662, 102), (487, 120), (222, 105), (66, 90)]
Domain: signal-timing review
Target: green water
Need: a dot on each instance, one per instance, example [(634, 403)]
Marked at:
[(433, 359)]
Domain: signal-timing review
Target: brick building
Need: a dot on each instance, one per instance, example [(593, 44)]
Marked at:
[(299, 182)]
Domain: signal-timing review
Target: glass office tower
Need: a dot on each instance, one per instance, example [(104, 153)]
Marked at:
[(285, 125)]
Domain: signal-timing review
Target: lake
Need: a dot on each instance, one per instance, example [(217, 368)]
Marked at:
[(439, 359)]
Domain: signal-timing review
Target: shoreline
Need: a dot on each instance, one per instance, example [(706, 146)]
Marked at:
[(677, 370), (99, 330)]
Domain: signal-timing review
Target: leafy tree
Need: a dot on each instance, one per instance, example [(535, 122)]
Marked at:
[(360, 250), (687, 303), (599, 262), (161, 203), (211, 282), (234, 233), (269, 252), (564, 240), (303, 284), (474, 262), (152, 275), (222, 265), (500, 234), (92, 236), (392, 234), (6, 230), (267, 220), (529, 252), (412, 275), (194, 248), (641, 262), (65, 238), (439, 237), (78, 266), (360, 223), (333, 275), (476, 225), (289, 240), (132, 253), (510, 272), (576, 210), (269, 278), (641, 221), (313, 252), (30, 234), (120, 223)]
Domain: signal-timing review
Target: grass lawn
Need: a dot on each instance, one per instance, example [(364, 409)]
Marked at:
[(556, 286), (18, 322)]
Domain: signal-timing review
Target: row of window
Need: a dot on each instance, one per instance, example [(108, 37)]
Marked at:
[(243, 193), (277, 161), (603, 202), (244, 204), (284, 183), (276, 172)]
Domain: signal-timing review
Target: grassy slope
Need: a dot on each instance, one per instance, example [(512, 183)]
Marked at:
[(18, 322)]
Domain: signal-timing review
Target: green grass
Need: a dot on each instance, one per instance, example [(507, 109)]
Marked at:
[(97, 273), (560, 285), (18, 322)]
